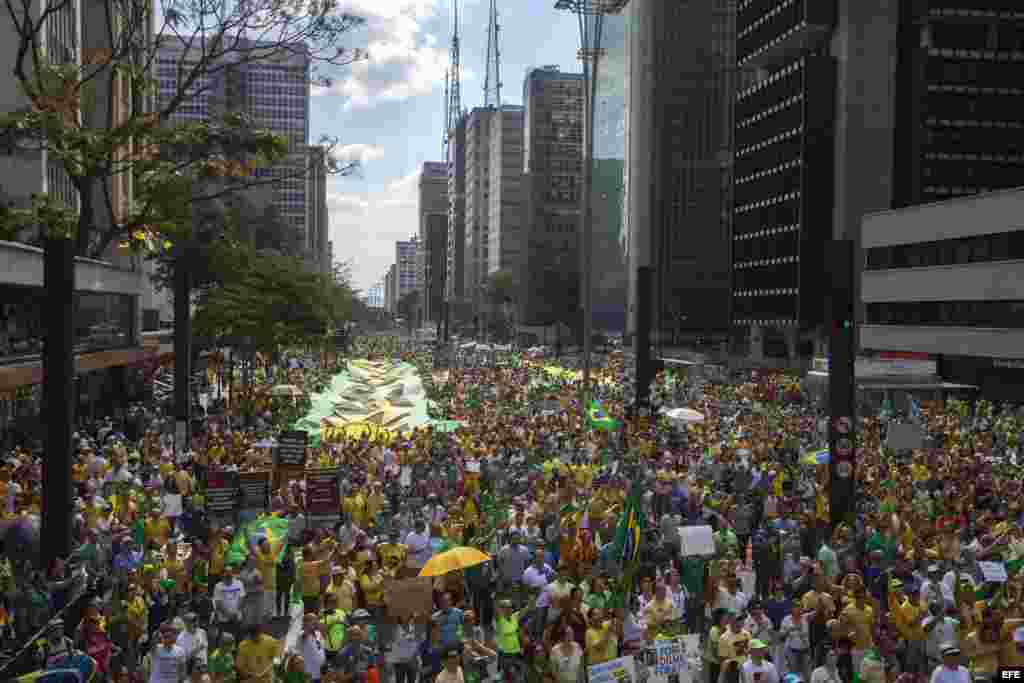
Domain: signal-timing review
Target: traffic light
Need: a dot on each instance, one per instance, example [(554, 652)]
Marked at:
[(839, 259)]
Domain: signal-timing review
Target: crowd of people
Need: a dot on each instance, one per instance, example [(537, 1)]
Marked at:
[(923, 581)]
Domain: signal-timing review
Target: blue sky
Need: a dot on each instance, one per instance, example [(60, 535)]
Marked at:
[(388, 111)]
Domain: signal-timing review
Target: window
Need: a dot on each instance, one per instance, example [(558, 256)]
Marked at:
[(960, 251), (997, 314)]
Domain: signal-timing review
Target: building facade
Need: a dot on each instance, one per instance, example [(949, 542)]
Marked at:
[(507, 206), (389, 290), (406, 260), (433, 235), (681, 88), (455, 293), (274, 92), (478, 194), (553, 165), (317, 243), (942, 281), (959, 102)]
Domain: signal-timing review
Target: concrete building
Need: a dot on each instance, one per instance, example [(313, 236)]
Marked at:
[(317, 243), (943, 281), (478, 193), (507, 220), (389, 289), (375, 296), (433, 235), (108, 304), (680, 93), (455, 293), (552, 162)]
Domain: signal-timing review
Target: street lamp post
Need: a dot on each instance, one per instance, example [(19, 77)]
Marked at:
[(590, 14)]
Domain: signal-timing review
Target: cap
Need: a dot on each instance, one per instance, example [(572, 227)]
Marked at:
[(758, 644), (505, 603), (934, 569), (950, 649), (895, 584)]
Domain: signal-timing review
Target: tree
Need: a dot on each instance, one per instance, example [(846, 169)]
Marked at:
[(89, 116), (407, 307)]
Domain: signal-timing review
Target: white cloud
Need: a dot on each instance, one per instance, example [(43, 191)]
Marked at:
[(403, 61), (364, 154), (365, 226)]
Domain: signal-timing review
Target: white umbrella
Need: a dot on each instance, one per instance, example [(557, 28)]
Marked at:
[(684, 415)]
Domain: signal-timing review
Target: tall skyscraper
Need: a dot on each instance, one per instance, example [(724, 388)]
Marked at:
[(455, 292), (959, 103), (478, 191), (405, 262), (275, 93), (553, 162), (681, 89), (433, 213), (507, 221)]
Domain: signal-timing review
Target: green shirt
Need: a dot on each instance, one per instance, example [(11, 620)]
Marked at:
[(220, 662), (506, 634), (334, 623)]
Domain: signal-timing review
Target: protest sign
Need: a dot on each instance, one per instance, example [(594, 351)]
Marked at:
[(291, 449), (255, 489), (621, 670), (323, 495), (408, 597), (221, 492), (696, 540), (993, 572)]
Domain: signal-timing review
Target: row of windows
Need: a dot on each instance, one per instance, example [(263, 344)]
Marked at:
[(1007, 314), (980, 249)]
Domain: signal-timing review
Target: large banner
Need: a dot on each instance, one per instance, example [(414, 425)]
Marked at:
[(621, 670)]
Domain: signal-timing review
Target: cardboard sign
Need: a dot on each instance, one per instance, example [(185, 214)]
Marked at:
[(255, 488), (221, 492), (323, 495), (291, 449), (904, 437), (669, 657), (621, 670), (408, 597), (696, 540)]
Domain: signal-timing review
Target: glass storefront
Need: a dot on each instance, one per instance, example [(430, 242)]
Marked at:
[(610, 279), (102, 322)]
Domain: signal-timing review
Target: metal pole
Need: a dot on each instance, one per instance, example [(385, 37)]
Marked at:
[(590, 88)]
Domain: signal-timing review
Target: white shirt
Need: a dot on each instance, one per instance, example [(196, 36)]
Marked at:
[(194, 644), (943, 674), (769, 674), (229, 595), (824, 675), (537, 578), (797, 636), (312, 650), (735, 602), (166, 665)]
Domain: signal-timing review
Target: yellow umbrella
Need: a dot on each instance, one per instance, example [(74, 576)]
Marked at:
[(453, 560)]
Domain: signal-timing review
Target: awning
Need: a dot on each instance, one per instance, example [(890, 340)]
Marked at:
[(21, 374)]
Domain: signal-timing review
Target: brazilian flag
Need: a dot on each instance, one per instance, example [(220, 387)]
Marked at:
[(599, 420), (626, 548), (270, 527), (630, 528)]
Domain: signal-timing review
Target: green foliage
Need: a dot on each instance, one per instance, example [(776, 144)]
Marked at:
[(272, 299)]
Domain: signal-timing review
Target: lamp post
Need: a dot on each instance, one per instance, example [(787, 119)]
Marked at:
[(590, 14)]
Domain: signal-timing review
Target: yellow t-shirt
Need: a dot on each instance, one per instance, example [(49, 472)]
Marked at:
[(345, 591), (266, 563), (733, 645), (256, 658), (158, 529), (862, 621), (906, 618), (597, 652), (218, 553), (311, 573), (392, 553), (373, 589)]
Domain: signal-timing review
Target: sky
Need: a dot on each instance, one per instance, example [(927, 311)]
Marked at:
[(388, 111)]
